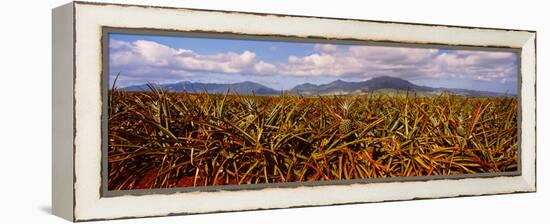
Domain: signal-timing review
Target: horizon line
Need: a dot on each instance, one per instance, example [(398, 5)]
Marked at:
[(338, 79)]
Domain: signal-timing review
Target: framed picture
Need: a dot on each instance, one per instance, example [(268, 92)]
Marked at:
[(161, 111)]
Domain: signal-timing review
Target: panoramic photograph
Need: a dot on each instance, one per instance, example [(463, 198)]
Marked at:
[(190, 111)]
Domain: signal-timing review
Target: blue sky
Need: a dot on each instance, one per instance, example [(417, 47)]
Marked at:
[(275, 51), (282, 65)]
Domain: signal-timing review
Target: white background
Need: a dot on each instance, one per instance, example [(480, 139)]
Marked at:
[(25, 112)]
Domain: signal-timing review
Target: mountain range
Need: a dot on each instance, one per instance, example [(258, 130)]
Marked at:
[(338, 87), (244, 88)]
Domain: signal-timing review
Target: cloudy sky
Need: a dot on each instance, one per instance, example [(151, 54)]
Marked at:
[(282, 65)]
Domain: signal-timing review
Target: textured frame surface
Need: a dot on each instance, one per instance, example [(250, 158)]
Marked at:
[(90, 19)]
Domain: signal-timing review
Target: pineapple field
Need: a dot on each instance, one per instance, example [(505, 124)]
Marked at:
[(163, 139)]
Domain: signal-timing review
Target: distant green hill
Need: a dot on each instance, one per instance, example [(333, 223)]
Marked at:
[(381, 85), (378, 85)]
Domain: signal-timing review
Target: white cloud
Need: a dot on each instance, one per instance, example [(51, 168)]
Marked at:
[(359, 61), (325, 48), (224, 62), (143, 58), (477, 65), (145, 55), (362, 62), (391, 54)]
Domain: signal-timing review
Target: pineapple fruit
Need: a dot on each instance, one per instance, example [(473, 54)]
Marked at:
[(346, 124)]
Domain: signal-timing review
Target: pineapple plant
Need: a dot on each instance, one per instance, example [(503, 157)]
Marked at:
[(459, 128), (155, 109), (269, 137), (250, 105), (346, 123)]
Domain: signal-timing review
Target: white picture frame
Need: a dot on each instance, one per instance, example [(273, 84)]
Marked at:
[(78, 29)]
